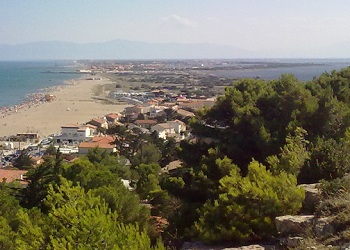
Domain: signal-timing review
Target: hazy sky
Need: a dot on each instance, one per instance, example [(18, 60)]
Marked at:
[(248, 24)]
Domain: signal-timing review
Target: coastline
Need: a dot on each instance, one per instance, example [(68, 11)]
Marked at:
[(73, 102)]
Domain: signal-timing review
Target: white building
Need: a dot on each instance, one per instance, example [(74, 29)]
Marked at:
[(179, 126), (74, 133), (163, 130)]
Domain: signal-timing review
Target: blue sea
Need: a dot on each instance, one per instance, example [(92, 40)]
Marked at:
[(18, 79), (311, 68)]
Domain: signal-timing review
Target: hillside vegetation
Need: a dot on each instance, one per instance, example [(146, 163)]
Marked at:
[(241, 168)]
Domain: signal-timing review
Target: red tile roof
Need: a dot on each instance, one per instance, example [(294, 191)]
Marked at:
[(113, 115), (91, 144), (146, 122), (100, 121), (103, 139), (10, 175), (104, 142)]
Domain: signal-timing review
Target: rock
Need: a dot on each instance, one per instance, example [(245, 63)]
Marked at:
[(345, 246), (312, 197), (323, 227), (291, 241), (200, 246), (294, 225), (251, 247)]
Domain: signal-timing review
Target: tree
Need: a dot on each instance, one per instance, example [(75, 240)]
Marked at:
[(247, 206), (7, 235), (148, 179), (23, 161), (51, 150), (328, 160), (39, 180), (293, 154), (148, 153), (80, 220), (123, 202), (169, 151)]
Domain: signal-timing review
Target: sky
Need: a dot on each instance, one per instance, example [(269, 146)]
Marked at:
[(254, 25)]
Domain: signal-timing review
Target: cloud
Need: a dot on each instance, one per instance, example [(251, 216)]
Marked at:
[(179, 22)]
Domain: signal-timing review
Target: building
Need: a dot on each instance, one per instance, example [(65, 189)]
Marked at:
[(179, 126), (10, 175), (113, 118), (102, 142), (184, 113), (99, 123), (30, 136), (74, 133), (137, 109), (163, 130), (157, 111), (145, 123)]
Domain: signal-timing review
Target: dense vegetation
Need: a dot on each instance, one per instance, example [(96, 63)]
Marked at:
[(258, 142), (241, 169)]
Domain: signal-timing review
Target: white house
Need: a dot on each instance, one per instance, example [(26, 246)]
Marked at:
[(163, 129), (156, 111), (100, 123), (179, 126), (74, 133)]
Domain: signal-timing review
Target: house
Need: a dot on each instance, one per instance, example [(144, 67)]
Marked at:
[(179, 126), (113, 118), (185, 113), (159, 92), (11, 175), (156, 111), (102, 142), (36, 160), (163, 129), (74, 133), (137, 109), (99, 123), (145, 123)]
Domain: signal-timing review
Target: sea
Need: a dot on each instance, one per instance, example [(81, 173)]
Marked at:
[(19, 79), (302, 69)]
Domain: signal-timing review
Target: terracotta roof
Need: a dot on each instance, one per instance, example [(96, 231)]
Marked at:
[(145, 122), (113, 115), (164, 125), (103, 139), (178, 121), (10, 175), (100, 121), (92, 144), (184, 113)]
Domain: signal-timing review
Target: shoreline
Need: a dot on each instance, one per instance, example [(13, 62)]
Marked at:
[(35, 98), (73, 102)]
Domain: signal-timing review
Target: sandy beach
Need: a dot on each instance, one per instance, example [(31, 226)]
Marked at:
[(73, 103)]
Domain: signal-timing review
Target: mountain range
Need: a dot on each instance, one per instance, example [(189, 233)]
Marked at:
[(117, 49), (125, 49)]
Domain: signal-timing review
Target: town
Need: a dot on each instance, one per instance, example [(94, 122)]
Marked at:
[(162, 97)]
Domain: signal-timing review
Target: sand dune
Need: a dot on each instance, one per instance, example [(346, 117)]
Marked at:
[(74, 103)]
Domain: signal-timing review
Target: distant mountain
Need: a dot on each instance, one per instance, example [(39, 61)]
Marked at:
[(118, 49)]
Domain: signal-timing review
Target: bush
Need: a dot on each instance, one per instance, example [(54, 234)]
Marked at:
[(247, 206)]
